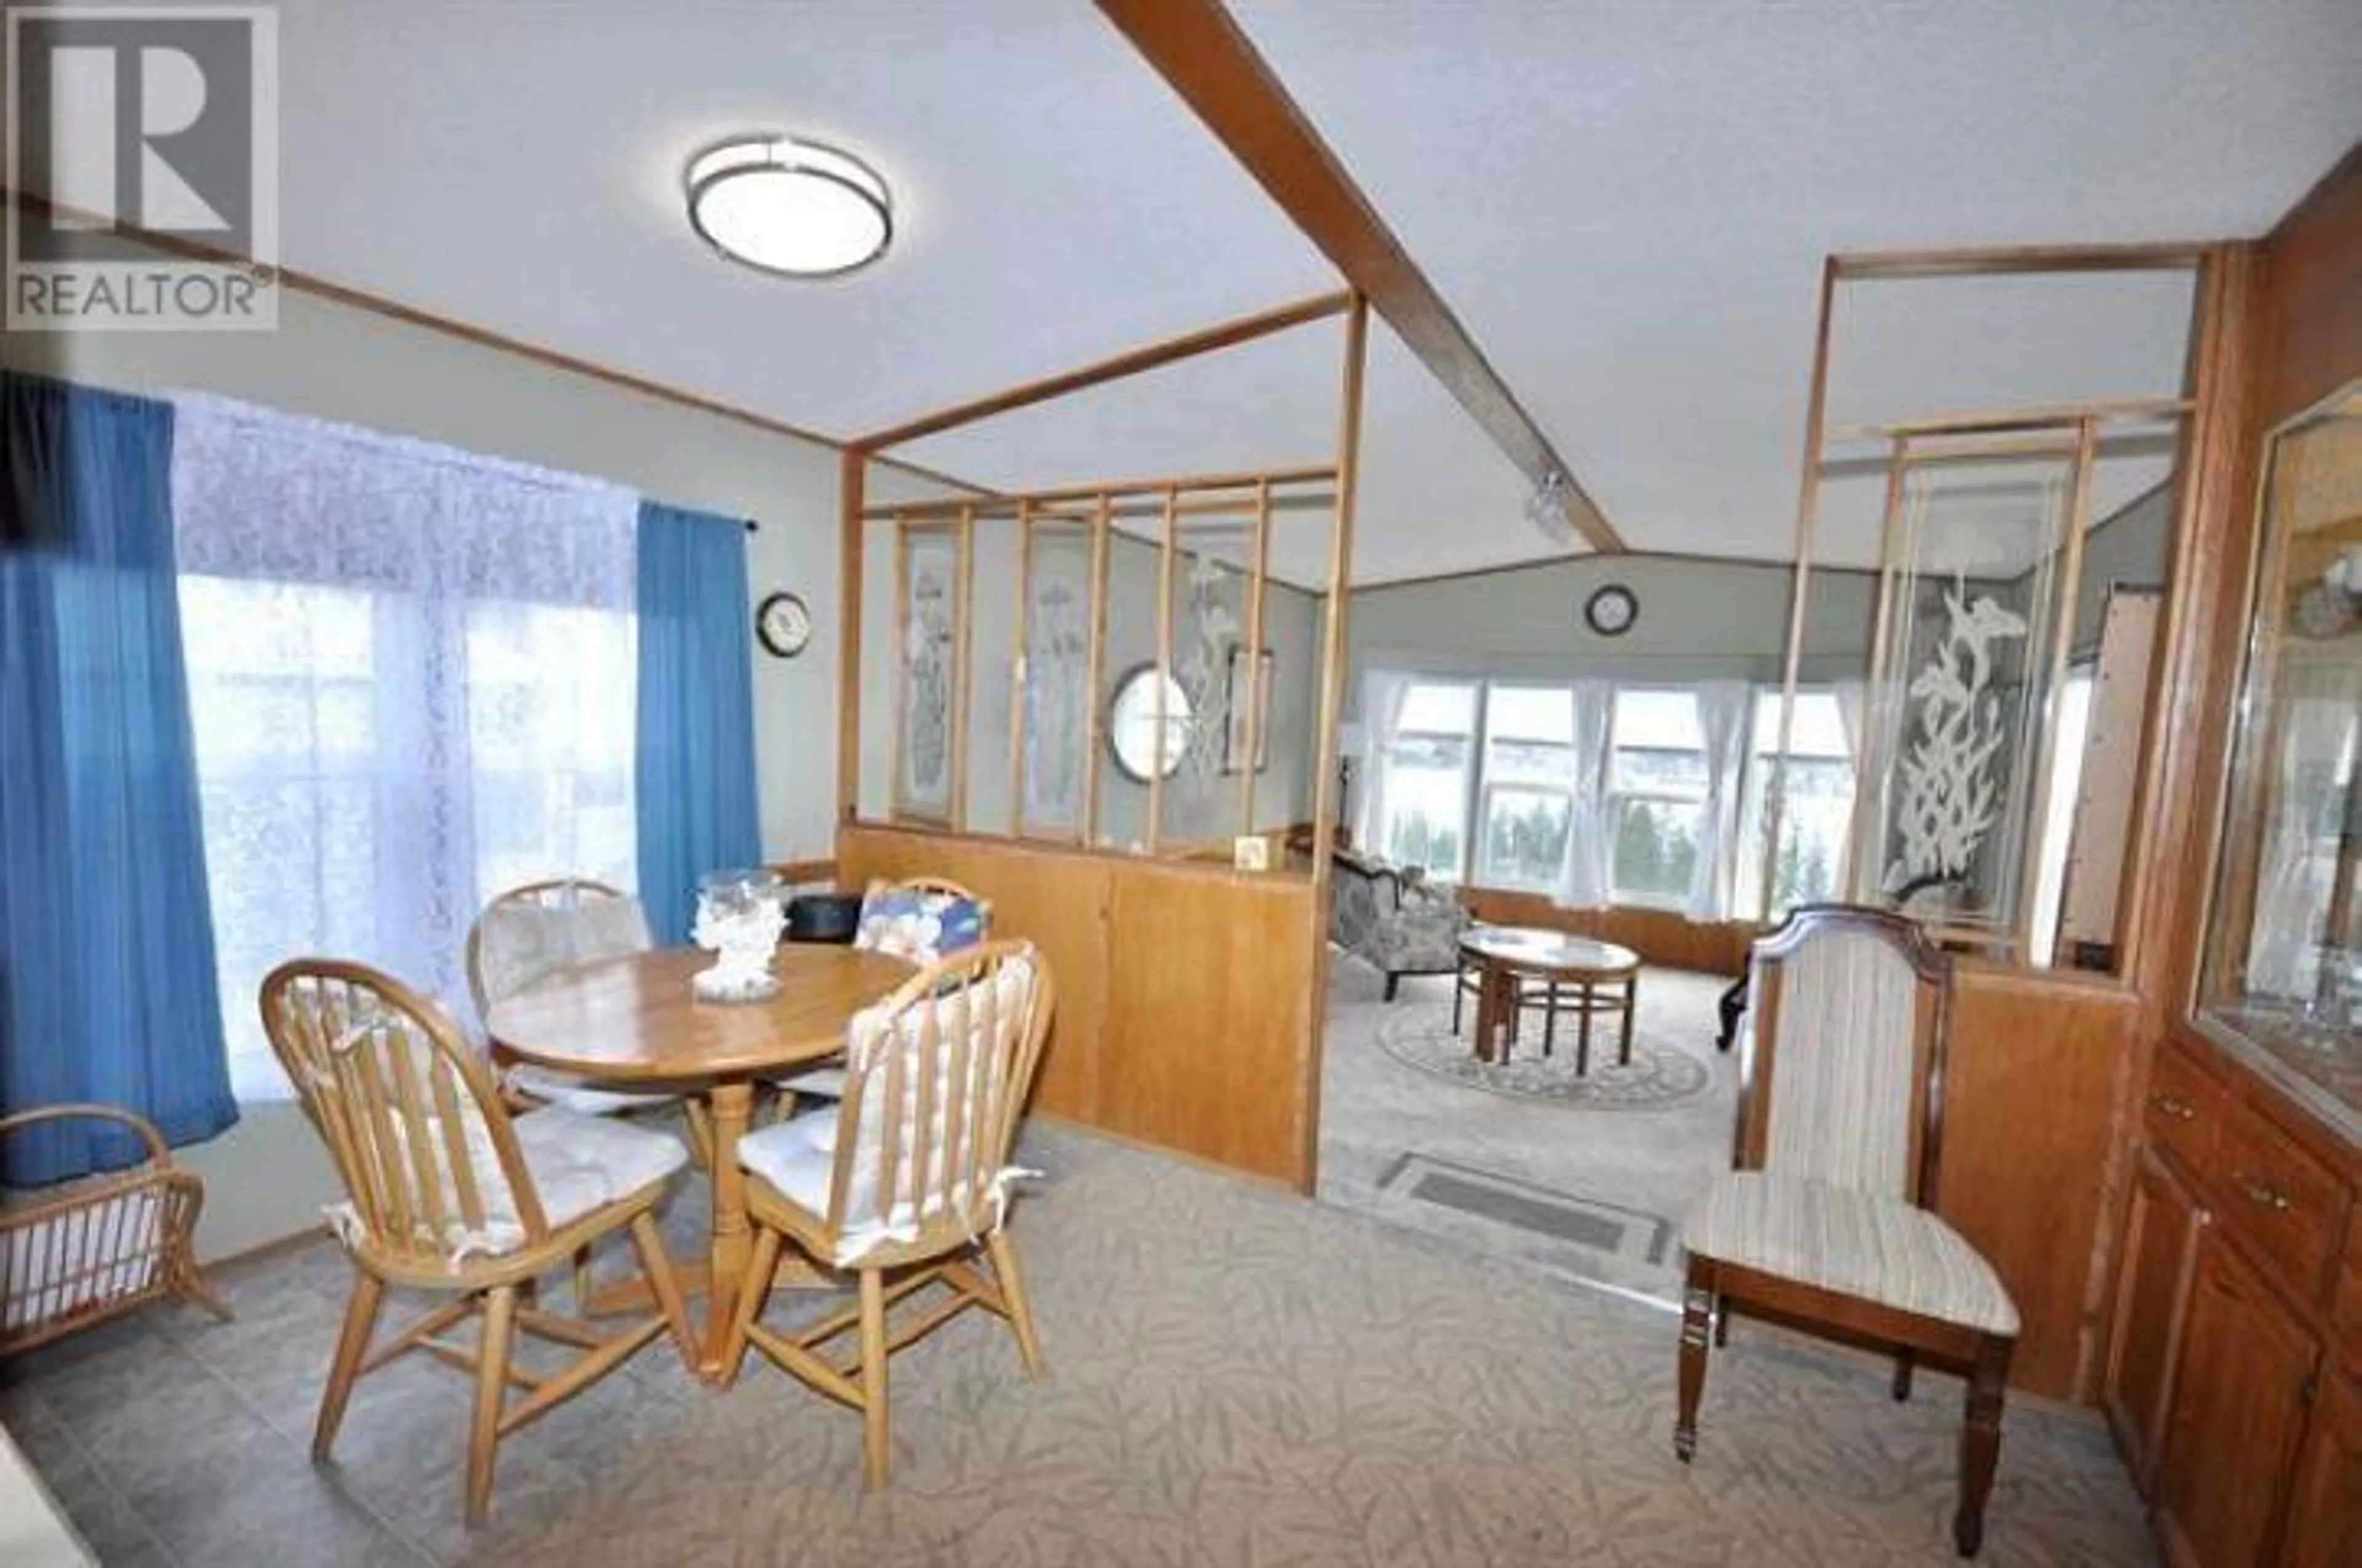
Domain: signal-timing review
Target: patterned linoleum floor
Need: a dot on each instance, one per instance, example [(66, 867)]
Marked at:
[(1236, 1376)]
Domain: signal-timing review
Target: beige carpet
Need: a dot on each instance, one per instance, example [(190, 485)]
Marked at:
[(1237, 1376)]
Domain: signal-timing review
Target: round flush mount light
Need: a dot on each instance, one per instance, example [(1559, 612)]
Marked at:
[(790, 206)]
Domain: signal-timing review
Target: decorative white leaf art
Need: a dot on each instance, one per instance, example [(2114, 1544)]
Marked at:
[(927, 711), (1056, 659), (1948, 800), (1203, 667)]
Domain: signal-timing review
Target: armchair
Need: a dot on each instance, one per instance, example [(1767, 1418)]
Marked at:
[(1394, 919)]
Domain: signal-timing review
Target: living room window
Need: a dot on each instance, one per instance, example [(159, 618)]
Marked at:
[(1817, 776), (1527, 800), (1657, 786), (1430, 762)]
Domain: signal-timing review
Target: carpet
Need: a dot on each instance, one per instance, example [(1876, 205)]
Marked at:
[(1659, 1076), (1235, 1376)]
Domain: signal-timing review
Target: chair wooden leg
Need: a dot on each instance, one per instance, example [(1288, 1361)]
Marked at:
[(1011, 1280), (491, 1377), (753, 1293), (656, 1264), (352, 1344), (873, 1449), (700, 1128), (1697, 1308), (1721, 1321), (1903, 1361), (582, 1282), (1981, 1442)]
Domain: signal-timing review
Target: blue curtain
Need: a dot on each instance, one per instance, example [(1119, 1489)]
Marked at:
[(107, 986), (695, 776)]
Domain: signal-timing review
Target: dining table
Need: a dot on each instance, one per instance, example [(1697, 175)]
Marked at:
[(634, 1023)]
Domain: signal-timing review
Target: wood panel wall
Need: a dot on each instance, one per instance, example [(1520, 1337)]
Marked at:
[(2314, 298), (2035, 1068), (1661, 936), (1184, 1016)]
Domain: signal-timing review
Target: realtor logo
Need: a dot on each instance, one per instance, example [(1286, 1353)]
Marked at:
[(152, 133)]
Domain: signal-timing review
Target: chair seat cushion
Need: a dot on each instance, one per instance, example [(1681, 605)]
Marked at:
[(1855, 1244), (584, 1163), (798, 1156), (815, 1083), (570, 1093)]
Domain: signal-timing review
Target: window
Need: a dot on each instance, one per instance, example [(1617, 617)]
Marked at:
[(1817, 808), (411, 683), (1424, 801), (1656, 795), (1527, 799)]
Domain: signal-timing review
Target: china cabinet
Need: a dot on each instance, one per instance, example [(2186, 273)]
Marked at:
[(2236, 1352)]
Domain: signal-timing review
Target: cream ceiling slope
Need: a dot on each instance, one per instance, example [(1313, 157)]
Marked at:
[(1627, 201), (517, 166)]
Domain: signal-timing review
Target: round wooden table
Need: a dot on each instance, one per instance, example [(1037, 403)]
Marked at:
[(1598, 975), (633, 1020)]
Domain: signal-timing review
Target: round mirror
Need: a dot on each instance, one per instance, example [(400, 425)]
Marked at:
[(1132, 724)]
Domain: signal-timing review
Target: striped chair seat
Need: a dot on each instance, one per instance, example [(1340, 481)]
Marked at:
[(1854, 1242)]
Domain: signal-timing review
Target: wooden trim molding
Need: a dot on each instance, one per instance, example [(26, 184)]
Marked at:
[(1149, 356), (321, 288), (1206, 58)]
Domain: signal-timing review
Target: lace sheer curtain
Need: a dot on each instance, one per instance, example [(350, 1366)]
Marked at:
[(1583, 883), (412, 675), (1723, 709)]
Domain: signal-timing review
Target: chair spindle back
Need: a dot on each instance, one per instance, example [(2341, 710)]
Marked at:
[(530, 933), (936, 1080), (426, 1151)]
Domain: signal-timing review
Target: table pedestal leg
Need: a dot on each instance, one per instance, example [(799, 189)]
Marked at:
[(1631, 1006), (732, 1103)]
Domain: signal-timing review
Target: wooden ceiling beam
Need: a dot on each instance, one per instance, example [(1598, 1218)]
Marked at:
[(1206, 58), (1131, 362)]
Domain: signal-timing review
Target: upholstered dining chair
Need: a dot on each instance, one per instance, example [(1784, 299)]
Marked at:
[(907, 1176), (919, 918), (447, 1192), (1826, 1221), (532, 931)]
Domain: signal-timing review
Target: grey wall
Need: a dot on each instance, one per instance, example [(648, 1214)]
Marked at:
[(1699, 620), (267, 1176), (2134, 548)]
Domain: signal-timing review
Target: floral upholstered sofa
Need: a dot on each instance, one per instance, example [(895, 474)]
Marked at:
[(1394, 919)]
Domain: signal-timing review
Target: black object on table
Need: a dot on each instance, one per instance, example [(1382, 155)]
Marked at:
[(824, 916)]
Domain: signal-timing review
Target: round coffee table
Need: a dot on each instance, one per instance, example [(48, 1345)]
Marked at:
[(1573, 974)]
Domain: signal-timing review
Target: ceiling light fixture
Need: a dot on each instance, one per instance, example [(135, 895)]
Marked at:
[(1547, 509), (782, 204)]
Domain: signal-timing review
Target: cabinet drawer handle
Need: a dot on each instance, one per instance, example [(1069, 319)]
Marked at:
[(2262, 1192), (2172, 1105)]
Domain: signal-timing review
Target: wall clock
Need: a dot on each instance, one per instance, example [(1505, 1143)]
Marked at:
[(784, 623), (1611, 611)]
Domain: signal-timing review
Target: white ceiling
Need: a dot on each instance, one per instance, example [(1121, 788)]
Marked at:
[(1625, 202), (517, 165)]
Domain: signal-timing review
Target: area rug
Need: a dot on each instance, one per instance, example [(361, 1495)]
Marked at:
[(1520, 1206), (1421, 1037)]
